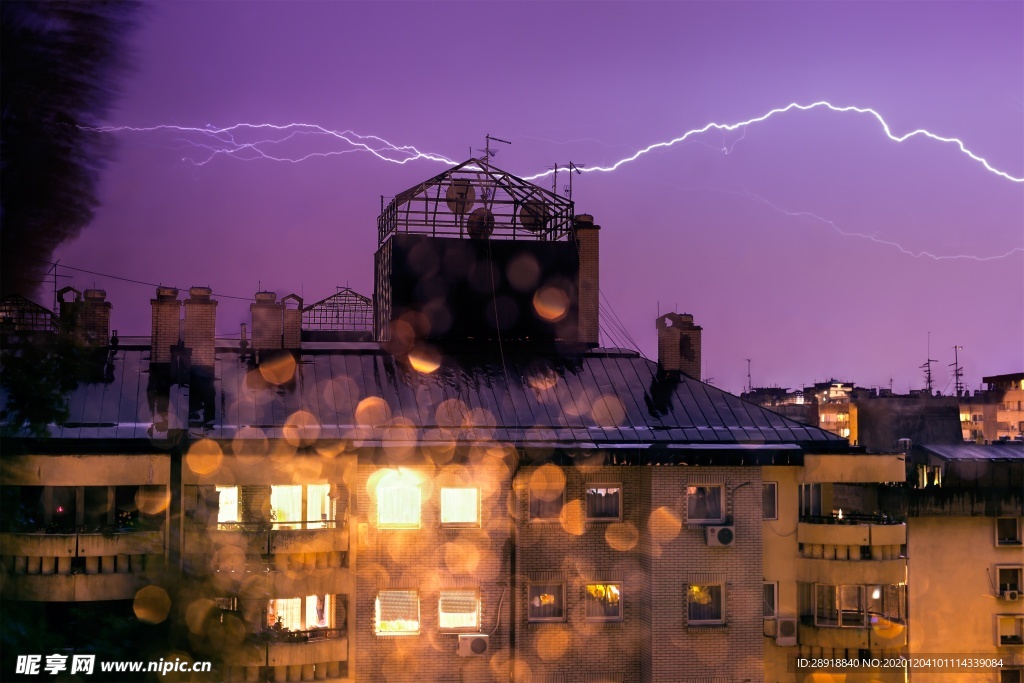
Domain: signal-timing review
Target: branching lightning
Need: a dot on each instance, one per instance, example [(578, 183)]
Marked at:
[(249, 142), (802, 107), (225, 141)]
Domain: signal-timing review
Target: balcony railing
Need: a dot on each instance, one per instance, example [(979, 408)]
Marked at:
[(853, 518)]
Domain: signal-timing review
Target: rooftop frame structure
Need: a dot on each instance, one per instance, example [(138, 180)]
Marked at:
[(477, 200), (24, 315), (344, 311)]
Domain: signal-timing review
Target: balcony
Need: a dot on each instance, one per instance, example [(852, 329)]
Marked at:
[(79, 566), (882, 634), (318, 654)]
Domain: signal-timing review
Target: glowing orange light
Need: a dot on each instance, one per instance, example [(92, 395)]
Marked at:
[(278, 369), (204, 457), (551, 303)]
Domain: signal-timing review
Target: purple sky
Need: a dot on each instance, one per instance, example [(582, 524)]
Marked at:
[(690, 228)]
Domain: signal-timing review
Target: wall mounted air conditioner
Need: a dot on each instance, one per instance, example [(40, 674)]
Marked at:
[(785, 634), (473, 644), (1011, 595), (720, 535)]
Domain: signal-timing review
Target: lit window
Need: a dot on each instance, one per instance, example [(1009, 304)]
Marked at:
[(770, 599), (603, 601), (705, 504), (704, 604), (459, 609), (285, 614), (397, 613), (286, 505), (1011, 629), (319, 506), (546, 503), (604, 502), (398, 502), (546, 602), (1009, 578), (769, 500), (228, 512), (460, 506), (887, 602), (300, 614), (859, 606), (1008, 531)]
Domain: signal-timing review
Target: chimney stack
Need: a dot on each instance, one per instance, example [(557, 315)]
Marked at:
[(166, 324), (200, 325), (267, 322), (274, 324), (587, 235), (679, 344), (86, 319), (292, 321)]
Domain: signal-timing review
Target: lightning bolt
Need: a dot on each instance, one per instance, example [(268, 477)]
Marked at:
[(878, 240), (224, 141), (782, 110)]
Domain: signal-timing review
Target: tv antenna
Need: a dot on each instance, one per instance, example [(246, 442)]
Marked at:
[(576, 168), (958, 372), (750, 385), (927, 367), (487, 147)]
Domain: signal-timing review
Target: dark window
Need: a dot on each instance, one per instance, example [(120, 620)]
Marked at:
[(1008, 531), (604, 501), (769, 500), (546, 602), (810, 500), (546, 502), (769, 600), (97, 506), (705, 503)]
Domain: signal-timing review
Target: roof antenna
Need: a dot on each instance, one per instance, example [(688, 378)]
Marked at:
[(574, 167), (750, 386), (487, 148)]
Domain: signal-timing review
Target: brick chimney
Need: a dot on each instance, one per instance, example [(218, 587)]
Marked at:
[(267, 322), (85, 319), (679, 344), (589, 247), (200, 325), (292, 321), (166, 324)]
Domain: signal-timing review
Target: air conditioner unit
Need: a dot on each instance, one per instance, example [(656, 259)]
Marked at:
[(473, 644), (720, 535), (785, 634), (1011, 595)]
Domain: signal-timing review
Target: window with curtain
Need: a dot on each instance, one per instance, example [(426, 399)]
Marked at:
[(459, 609), (546, 602), (460, 506), (227, 513), (546, 503), (602, 601), (705, 503), (398, 506), (397, 612), (704, 604), (604, 502), (286, 505), (319, 506)]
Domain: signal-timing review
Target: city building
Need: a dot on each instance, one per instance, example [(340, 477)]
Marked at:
[(964, 540), (454, 482)]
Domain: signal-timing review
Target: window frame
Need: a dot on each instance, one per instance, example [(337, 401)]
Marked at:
[(586, 501), (589, 599), (530, 617), (1016, 632), (1013, 541), (464, 525), (475, 628), (529, 501), (775, 600), (720, 519), (399, 525), (807, 502), (775, 499), (720, 619), (1014, 567), (377, 608)]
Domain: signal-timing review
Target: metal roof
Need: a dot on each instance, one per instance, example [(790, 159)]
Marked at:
[(1011, 450), (600, 398)]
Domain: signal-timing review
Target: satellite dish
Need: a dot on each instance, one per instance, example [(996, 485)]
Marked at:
[(534, 215), (460, 196), (480, 224)]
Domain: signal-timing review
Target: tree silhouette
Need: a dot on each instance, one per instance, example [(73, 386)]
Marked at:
[(60, 63)]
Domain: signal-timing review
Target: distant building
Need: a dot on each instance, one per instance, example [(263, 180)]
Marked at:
[(995, 413), (966, 556)]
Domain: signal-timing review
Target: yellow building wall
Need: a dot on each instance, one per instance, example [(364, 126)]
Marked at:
[(952, 595), (779, 547)]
